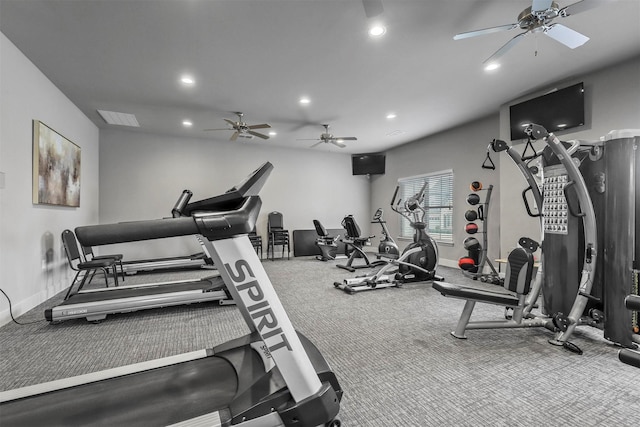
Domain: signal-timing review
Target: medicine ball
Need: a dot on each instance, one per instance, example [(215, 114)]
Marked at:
[(473, 199), (471, 244), (467, 264), (476, 186), (471, 215), (471, 228)]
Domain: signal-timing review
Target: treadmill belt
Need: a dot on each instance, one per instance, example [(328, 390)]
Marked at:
[(208, 285), (157, 397)]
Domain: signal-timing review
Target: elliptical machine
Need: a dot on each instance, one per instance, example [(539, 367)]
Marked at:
[(418, 261), (421, 256)]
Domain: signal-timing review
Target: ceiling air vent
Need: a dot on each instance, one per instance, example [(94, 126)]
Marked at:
[(121, 119)]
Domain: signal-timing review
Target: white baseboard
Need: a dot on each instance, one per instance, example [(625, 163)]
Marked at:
[(448, 263)]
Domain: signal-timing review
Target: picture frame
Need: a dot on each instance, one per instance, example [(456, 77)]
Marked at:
[(56, 168)]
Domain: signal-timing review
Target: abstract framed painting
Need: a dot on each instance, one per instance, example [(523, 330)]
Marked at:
[(56, 168)]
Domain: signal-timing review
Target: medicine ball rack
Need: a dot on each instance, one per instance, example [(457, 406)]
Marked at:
[(481, 260)]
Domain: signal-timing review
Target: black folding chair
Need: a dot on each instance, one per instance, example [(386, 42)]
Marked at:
[(87, 251), (278, 235), (85, 268)]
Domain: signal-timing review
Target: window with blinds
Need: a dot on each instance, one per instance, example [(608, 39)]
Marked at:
[(438, 203)]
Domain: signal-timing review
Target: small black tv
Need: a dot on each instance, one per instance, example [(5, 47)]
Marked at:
[(368, 164), (559, 110)]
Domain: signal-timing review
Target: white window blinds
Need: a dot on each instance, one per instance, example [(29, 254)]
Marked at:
[(438, 202)]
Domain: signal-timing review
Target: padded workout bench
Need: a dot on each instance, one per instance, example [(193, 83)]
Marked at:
[(517, 284)]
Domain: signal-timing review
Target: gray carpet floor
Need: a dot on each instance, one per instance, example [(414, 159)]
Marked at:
[(390, 349)]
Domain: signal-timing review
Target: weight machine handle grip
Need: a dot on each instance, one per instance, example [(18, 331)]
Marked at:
[(490, 164), (566, 196), (526, 203)]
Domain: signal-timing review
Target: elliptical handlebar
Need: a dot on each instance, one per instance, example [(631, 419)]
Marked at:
[(412, 207)]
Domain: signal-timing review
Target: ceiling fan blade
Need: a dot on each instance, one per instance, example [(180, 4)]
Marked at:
[(232, 123), (259, 135), (372, 8), (207, 130), (308, 139), (566, 36), (485, 31), (337, 143), (540, 5), (505, 48), (578, 7), (260, 126), (346, 138), (316, 144), (234, 136)]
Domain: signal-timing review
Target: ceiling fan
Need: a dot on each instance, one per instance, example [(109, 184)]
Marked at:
[(243, 129), (326, 137), (538, 18)]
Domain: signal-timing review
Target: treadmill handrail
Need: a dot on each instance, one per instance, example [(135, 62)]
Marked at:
[(213, 225)]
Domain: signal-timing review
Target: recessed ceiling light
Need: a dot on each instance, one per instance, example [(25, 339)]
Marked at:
[(391, 116), (377, 30), (187, 80), (305, 100), (187, 123), (272, 133), (492, 66)]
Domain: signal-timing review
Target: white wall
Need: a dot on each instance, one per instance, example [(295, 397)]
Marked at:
[(612, 101), (142, 176), (463, 150), (32, 265)]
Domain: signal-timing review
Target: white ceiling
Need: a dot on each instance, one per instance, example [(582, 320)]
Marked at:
[(260, 56)]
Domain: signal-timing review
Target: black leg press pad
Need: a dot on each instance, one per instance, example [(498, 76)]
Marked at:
[(499, 297)]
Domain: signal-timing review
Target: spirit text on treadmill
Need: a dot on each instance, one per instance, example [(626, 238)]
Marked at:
[(263, 316)]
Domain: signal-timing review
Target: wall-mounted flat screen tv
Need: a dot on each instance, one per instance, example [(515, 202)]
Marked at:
[(368, 164), (556, 111)]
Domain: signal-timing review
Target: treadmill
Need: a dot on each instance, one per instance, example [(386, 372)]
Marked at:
[(194, 261), (273, 376), (95, 304)]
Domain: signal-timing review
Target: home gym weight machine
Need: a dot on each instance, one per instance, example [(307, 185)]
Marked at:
[(572, 296), (418, 261), (273, 376)]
